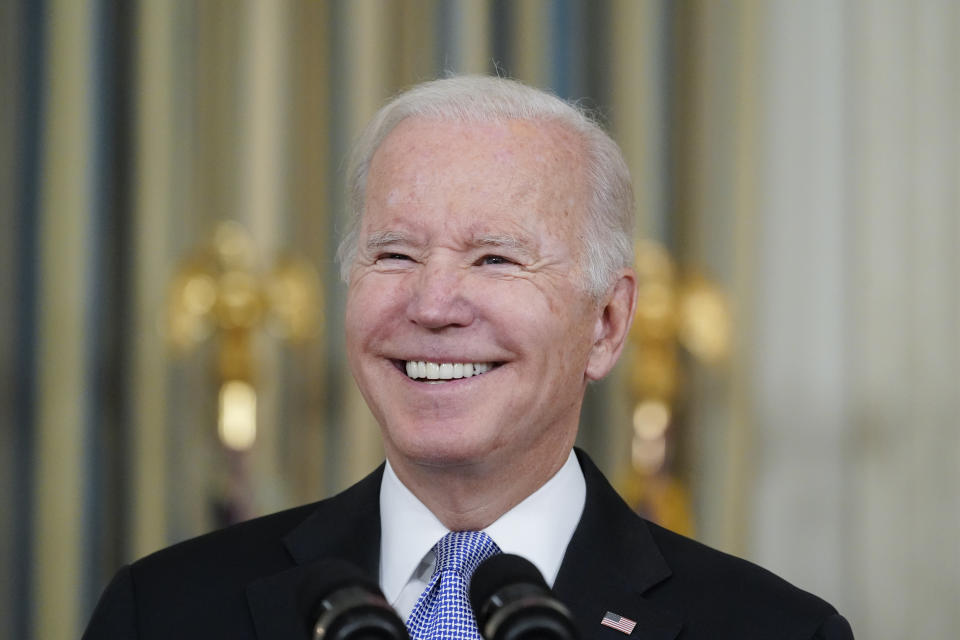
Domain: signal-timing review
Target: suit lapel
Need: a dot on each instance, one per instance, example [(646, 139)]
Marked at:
[(610, 563), (347, 527)]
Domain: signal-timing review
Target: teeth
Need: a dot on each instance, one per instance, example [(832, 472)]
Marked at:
[(419, 369)]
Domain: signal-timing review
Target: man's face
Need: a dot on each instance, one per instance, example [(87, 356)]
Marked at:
[(468, 259)]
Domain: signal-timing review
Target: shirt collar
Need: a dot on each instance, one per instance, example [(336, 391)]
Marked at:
[(539, 528), (408, 530)]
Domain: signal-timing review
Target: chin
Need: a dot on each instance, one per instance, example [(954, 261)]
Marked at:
[(442, 450)]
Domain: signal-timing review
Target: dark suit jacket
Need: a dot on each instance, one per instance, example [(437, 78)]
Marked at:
[(240, 582)]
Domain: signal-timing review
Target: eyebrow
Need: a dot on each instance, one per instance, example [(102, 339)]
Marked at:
[(505, 241), (380, 239)]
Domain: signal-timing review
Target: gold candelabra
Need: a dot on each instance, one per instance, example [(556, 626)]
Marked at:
[(219, 293), (674, 312)]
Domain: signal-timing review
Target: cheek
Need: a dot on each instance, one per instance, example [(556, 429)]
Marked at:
[(571, 344), (561, 344), (549, 322), (372, 303), (354, 325)]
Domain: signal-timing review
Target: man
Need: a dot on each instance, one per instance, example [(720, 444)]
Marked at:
[(489, 272)]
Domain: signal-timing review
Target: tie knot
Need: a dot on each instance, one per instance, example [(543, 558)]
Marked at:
[(463, 551)]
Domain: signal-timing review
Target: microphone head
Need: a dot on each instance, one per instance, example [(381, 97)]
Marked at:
[(337, 601), (498, 571), (511, 601)]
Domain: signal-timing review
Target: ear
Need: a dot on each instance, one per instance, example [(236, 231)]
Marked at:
[(613, 324)]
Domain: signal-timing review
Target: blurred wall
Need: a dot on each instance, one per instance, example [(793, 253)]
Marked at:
[(803, 155)]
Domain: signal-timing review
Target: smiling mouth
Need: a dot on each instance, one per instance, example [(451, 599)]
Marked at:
[(426, 371)]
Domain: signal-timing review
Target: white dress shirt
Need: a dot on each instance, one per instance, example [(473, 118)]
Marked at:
[(539, 529)]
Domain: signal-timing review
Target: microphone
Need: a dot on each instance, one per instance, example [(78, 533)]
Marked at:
[(511, 601), (338, 602)]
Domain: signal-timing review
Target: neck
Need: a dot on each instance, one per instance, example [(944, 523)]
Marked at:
[(472, 496)]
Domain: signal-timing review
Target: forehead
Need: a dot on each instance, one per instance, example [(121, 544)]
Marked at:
[(517, 134), (506, 161)]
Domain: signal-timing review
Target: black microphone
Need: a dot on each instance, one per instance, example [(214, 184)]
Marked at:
[(338, 602), (512, 601)]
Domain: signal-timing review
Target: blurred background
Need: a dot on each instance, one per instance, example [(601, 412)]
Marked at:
[(171, 317)]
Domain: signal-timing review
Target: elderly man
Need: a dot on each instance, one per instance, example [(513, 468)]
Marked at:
[(489, 271)]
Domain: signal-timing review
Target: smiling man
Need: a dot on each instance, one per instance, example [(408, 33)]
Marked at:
[(490, 281), (468, 260)]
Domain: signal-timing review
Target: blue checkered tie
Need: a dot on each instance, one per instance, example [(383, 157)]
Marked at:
[(443, 610)]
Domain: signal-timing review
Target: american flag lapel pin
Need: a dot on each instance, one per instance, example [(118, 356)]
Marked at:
[(618, 622)]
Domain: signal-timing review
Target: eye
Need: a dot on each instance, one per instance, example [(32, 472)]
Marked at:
[(393, 256), (493, 259)]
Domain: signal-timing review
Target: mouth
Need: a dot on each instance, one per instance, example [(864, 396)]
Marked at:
[(434, 372)]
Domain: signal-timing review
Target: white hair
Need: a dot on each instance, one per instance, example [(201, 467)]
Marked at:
[(608, 219)]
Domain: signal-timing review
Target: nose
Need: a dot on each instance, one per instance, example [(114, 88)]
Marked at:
[(440, 297)]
